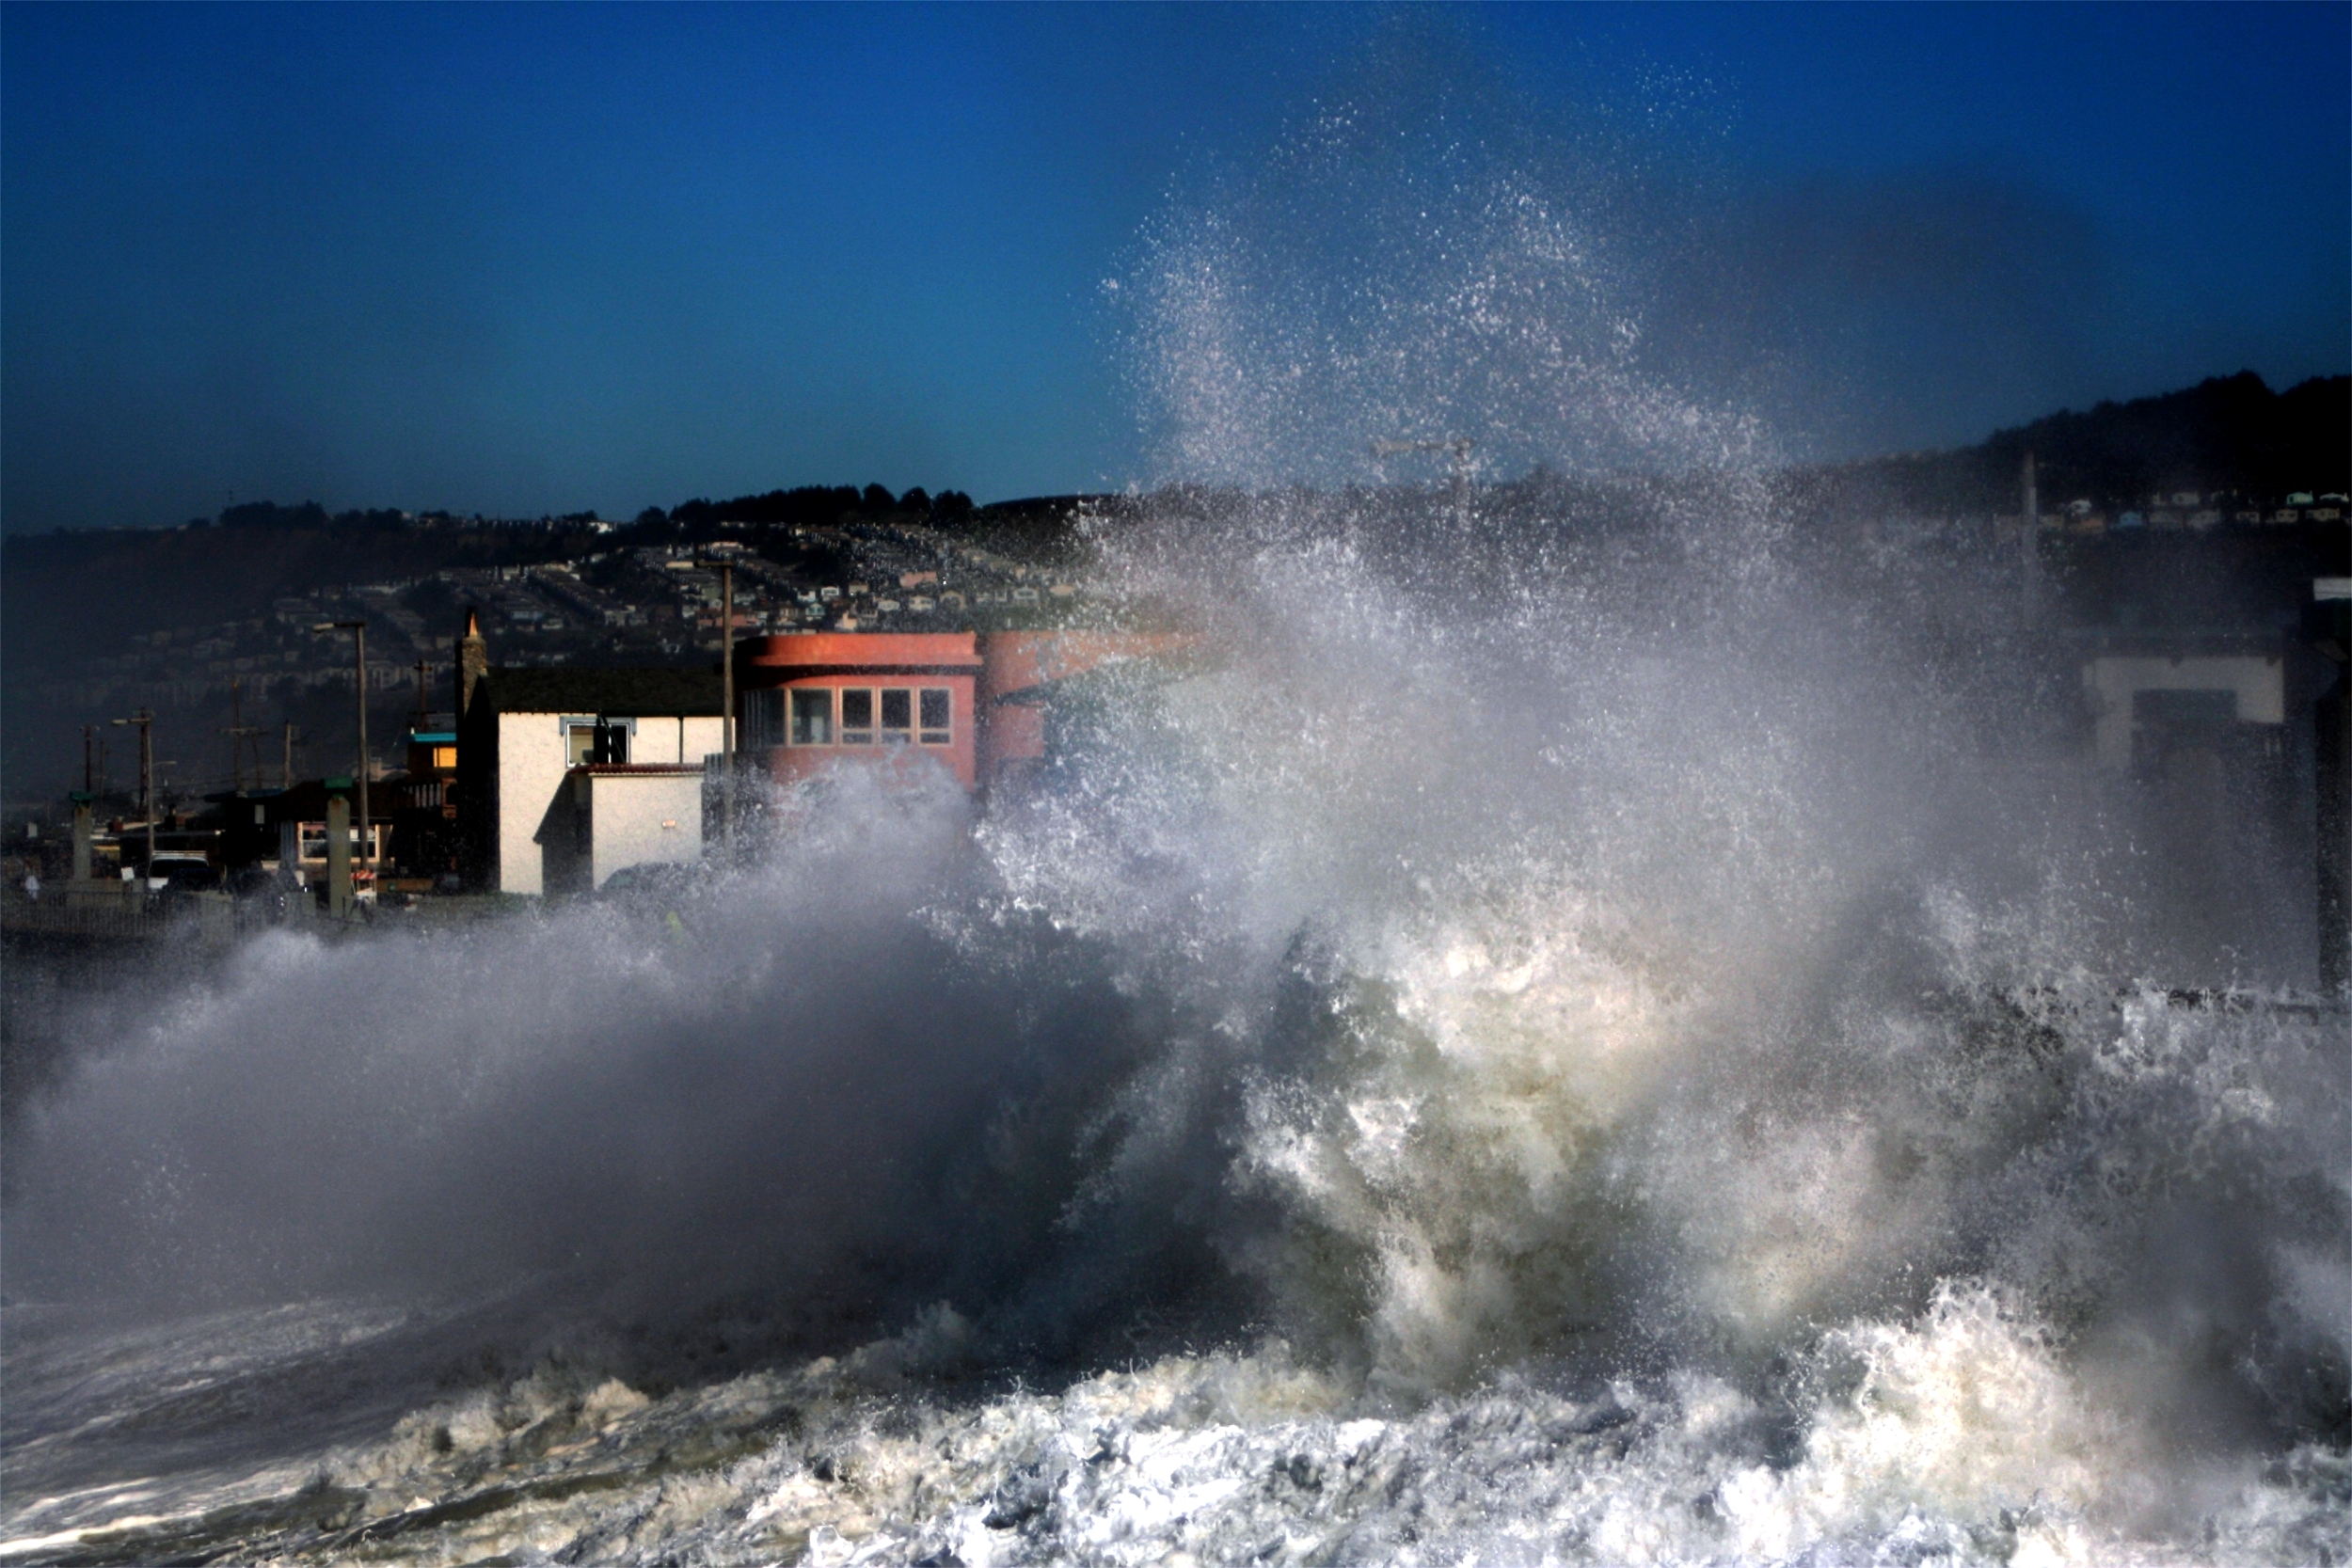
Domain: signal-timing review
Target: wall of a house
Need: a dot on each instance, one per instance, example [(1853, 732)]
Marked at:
[(531, 767), (2258, 681), (642, 818)]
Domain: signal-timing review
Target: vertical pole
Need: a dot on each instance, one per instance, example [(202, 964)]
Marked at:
[(236, 735), (726, 698), (2333, 766), (81, 838), (360, 643), (2029, 534), (146, 785), (337, 856), (285, 777)]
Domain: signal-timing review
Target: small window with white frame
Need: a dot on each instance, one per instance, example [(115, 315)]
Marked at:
[(937, 710), (596, 740)]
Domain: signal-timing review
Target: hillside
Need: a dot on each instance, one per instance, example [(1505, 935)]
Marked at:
[(99, 621), (2231, 435)]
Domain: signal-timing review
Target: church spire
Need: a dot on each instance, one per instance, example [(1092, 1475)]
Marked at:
[(473, 660)]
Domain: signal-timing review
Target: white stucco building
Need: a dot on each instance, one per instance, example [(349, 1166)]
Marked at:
[(527, 732), (607, 816), (2126, 689)]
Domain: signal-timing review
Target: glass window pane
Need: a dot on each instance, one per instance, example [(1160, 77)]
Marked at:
[(934, 707), (898, 713), (857, 717), (763, 719), (812, 717)]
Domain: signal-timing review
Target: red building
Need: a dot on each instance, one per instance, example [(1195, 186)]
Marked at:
[(812, 701)]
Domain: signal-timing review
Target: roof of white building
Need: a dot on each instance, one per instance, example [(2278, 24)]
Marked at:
[(628, 693)]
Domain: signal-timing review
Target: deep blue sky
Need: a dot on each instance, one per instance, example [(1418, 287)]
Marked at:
[(562, 257)]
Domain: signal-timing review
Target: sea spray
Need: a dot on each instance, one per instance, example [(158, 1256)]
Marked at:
[(1567, 1128), (1574, 1025)]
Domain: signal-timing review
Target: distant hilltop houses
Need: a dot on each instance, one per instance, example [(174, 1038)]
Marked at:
[(610, 731), (635, 602), (624, 694), (2196, 512), (567, 780)]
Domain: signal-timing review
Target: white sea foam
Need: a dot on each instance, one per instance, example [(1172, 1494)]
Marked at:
[(1569, 1029)]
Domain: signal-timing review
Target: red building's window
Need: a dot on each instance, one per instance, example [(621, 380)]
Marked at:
[(889, 714), (898, 714), (812, 716), (857, 716)]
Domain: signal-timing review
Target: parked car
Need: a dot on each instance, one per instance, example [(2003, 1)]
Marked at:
[(181, 872)]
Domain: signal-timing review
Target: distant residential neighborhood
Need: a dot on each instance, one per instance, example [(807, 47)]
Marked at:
[(552, 706)]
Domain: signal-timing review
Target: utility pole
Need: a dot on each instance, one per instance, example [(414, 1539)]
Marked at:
[(237, 732), (727, 699), (2328, 628), (726, 696), (359, 630), (285, 778), (144, 720)]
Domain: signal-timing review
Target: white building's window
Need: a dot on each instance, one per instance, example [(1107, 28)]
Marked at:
[(580, 742), (937, 707), (812, 716), (857, 716), (898, 714)]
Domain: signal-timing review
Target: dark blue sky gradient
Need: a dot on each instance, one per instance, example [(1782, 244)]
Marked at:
[(555, 259)]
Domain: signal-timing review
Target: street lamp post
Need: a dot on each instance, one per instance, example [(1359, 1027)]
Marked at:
[(144, 720), (359, 630)]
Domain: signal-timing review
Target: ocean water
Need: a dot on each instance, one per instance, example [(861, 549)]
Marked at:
[(1430, 1078), (1573, 1027)]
